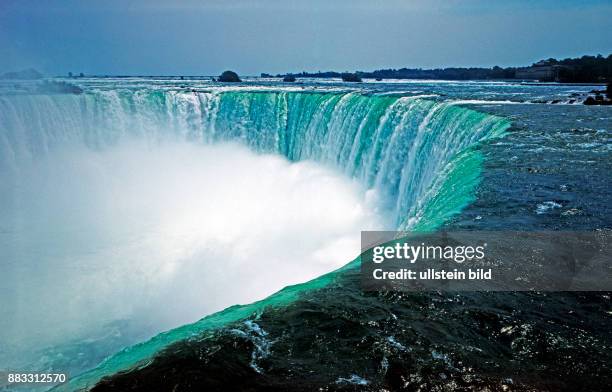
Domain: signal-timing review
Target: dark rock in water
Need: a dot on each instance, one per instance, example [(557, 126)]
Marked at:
[(554, 101), (378, 79), (265, 75), (26, 74), (351, 77), (229, 77), (54, 87), (598, 100), (289, 79)]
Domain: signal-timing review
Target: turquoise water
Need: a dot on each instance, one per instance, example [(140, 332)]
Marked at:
[(420, 150), (385, 142)]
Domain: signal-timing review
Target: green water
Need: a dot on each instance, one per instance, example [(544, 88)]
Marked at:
[(422, 156)]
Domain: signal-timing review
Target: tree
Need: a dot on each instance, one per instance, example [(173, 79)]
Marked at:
[(229, 77)]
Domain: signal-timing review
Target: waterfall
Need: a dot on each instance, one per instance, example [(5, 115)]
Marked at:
[(420, 155), (404, 147)]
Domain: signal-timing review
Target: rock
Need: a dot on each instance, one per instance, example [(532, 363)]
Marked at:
[(590, 101), (26, 74), (229, 77), (598, 100), (289, 79), (351, 77)]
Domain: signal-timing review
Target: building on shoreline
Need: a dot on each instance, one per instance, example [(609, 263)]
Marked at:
[(544, 71)]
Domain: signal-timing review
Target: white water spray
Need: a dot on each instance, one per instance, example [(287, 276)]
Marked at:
[(162, 236)]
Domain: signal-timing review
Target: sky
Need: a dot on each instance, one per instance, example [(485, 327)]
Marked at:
[(189, 37)]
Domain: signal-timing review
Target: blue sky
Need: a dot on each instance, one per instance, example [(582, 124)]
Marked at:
[(190, 37)]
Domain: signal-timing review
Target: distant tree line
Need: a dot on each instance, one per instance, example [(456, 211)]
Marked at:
[(584, 69)]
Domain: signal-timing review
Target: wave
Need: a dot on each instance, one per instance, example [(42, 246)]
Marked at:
[(421, 155)]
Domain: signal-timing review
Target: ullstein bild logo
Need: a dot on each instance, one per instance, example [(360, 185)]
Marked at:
[(487, 260)]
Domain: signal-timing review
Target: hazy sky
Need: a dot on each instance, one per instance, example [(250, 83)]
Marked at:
[(190, 37)]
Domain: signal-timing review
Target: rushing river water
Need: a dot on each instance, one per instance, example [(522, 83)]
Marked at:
[(143, 204)]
